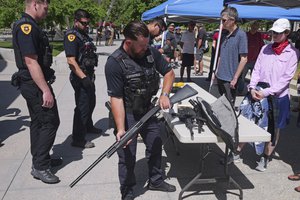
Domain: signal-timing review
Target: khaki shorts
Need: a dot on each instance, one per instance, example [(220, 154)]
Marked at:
[(199, 54)]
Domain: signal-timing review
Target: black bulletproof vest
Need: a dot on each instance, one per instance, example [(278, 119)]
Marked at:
[(141, 82), (44, 51), (87, 58)]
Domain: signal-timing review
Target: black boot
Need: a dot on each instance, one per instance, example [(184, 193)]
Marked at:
[(127, 193), (45, 175)]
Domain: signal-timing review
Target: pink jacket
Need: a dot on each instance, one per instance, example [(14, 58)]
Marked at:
[(277, 70)]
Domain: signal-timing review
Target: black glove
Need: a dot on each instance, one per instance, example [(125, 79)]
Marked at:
[(87, 83)]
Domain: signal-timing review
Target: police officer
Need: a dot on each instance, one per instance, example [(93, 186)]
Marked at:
[(82, 59), (156, 27), (132, 79), (33, 58)]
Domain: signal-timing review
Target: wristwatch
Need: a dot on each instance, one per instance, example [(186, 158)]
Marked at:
[(164, 94)]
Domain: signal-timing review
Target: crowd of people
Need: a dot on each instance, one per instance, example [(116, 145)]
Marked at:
[(133, 73)]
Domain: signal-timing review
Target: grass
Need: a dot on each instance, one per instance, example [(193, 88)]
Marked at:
[(58, 47)]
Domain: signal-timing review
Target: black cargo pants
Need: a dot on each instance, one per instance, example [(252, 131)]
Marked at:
[(43, 126)]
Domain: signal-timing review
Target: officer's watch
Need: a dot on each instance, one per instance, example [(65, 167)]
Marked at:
[(164, 94)]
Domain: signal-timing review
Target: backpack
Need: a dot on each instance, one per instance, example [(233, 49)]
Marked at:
[(221, 119)]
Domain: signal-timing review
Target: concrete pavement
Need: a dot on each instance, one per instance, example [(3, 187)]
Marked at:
[(102, 182)]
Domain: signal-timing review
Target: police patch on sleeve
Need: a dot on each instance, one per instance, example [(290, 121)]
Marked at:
[(26, 28), (71, 37)]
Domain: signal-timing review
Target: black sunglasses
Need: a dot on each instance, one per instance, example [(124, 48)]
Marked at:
[(277, 33), (225, 20), (84, 23)]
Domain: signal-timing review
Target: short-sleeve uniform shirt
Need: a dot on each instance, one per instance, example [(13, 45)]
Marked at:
[(72, 44), (27, 37), (114, 75)]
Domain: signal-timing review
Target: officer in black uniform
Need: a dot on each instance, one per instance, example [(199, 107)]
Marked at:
[(82, 59), (132, 80), (33, 56)]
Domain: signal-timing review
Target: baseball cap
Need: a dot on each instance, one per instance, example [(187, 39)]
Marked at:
[(281, 25)]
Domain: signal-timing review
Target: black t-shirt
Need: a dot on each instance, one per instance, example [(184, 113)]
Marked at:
[(202, 35), (114, 75)]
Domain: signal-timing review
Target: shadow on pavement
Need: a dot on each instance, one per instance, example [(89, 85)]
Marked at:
[(69, 153), (63, 150), (13, 122), (288, 147), (3, 63)]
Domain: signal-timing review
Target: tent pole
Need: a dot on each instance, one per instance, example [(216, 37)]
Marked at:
[(213, 79)]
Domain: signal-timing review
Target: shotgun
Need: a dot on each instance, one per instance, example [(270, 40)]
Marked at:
[(184, 93)]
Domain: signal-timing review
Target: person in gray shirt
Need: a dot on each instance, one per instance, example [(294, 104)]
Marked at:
[(233, 54)]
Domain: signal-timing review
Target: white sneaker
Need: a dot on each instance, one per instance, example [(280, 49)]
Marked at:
[(232, 158), (262, 164)]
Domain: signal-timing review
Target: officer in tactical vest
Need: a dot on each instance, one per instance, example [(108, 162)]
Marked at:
[(132, 76), (82, 59), (33, 56)]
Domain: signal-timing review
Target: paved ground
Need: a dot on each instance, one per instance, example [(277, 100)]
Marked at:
[(102, 182)]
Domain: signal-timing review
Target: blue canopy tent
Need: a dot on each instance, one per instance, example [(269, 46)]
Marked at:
[(279, 3), (208, 10), (157, 11)]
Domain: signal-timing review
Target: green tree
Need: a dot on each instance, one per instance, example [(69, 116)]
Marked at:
[(10, 11), (128, 10), (61, 11)]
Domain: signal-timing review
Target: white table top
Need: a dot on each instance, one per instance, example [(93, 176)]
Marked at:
[(248, 131)]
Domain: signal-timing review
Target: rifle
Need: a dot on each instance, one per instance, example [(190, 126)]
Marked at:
[(189, 116), (184, 93)]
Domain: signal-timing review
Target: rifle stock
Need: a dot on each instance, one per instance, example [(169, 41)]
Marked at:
[(185, 92)]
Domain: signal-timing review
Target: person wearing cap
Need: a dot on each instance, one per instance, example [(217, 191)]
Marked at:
[(170, 43), (275, 65), (187, 42)]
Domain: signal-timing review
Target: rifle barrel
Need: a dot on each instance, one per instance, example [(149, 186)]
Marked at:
[(92, 165)]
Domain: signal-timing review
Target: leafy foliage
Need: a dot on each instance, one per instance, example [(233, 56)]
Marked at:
[(61, 12)]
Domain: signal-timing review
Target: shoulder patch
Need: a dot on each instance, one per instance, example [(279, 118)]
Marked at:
[(71, 37), (26, 28)]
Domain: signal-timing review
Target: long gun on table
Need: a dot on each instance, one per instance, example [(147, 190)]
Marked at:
[(184, 93)]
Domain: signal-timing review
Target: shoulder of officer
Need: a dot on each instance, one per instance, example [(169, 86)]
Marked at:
[(26, 25), (71, 35)]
